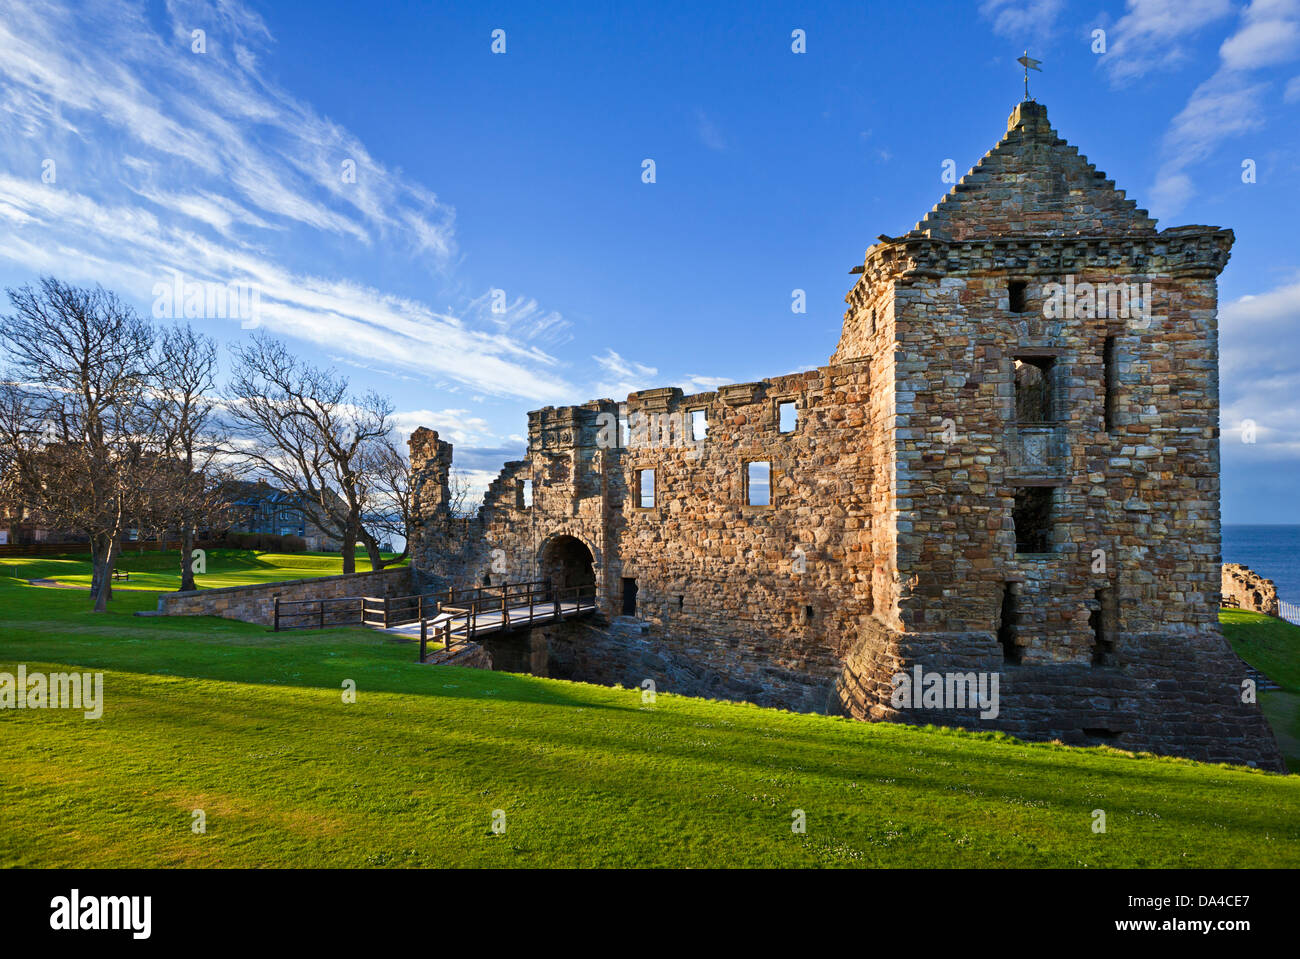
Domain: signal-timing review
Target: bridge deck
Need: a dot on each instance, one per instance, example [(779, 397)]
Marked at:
[(464, 616), (492, 620)]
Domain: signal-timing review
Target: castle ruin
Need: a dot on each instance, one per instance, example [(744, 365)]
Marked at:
[(1009, 466)]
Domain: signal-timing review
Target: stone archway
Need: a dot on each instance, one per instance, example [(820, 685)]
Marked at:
[(566, 561)]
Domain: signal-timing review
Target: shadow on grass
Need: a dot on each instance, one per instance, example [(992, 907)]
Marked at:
[(209, 648), (903, 769)]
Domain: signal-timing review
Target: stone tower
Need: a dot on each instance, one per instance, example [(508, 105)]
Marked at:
[(1049, 365), (1009, 468)]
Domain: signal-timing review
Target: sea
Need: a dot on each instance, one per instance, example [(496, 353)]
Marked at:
[(1271, 551)]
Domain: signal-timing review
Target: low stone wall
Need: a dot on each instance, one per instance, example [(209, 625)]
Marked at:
[(1246, 589), (470, 656), (255, 604)]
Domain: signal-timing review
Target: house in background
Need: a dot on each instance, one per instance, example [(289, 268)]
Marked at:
[(259, 507), (28, 527)]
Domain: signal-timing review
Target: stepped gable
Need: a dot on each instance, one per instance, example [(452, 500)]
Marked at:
[(1033, 183)]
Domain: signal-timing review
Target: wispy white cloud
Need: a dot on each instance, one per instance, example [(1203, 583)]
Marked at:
[(1023, 19), (703, 384), (164, 158), (1153, 35), (622, 376), (1260, 382), (460, 427), (132, 247), (1270, 34), (1232, 101)]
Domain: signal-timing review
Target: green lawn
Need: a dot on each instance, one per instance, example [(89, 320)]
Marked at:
[(1273, 647), (159, 572), (251, 727)]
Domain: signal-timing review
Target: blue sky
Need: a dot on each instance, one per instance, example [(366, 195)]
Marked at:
[(521, 172)]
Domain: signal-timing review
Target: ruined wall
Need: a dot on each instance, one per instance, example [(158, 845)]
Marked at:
[(447, 551), (961, 458), (771, 594), (774, 595), (870, 336), (973, 390), (1243, 588)]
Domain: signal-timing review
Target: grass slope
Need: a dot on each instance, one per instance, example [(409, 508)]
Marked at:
[(251, 727), (1273, 647)]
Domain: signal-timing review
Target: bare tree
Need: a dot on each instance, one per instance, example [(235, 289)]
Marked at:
[(458, 490), (298, 426), (194, 487), (390, 516), (78, 426)]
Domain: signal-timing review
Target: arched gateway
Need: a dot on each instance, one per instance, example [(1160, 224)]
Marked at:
[(566, 562)]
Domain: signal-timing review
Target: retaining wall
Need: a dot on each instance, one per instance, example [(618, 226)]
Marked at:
[(255, 604)]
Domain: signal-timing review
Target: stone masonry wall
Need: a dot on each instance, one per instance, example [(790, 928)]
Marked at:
[(1111, 631), (772, 595), (890, 541), (255, 604)]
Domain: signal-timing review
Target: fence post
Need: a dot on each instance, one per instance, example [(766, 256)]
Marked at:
[(424, 639), (387, 604), (275, 618), (320, 606)]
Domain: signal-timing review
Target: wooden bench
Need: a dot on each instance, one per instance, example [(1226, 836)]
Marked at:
[(122, 574)]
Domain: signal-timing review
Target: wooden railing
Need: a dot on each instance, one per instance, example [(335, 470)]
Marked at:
[(316, 613), (383, 612), (452, 616), (457, 622), (388, 611)]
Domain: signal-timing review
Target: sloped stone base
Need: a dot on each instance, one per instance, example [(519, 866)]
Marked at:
[(1175, 696), (626, 653)]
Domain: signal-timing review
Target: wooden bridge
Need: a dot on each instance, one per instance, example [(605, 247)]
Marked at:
[(452, 618), (460, 616)]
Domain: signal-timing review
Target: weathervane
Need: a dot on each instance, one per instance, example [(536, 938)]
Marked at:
[(1029, 63)]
